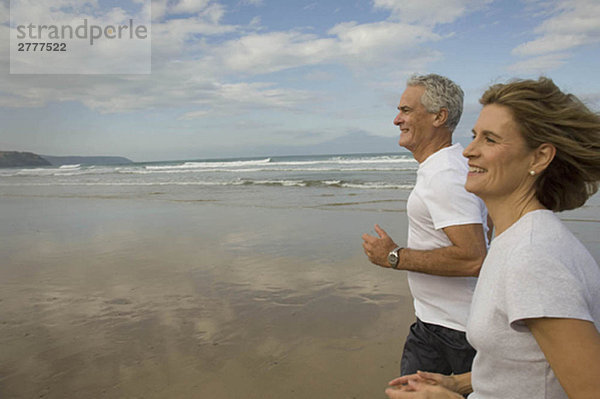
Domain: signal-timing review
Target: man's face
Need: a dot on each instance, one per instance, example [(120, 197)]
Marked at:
[(415, 123)]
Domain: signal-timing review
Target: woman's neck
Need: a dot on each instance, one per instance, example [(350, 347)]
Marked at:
[(507, 211)]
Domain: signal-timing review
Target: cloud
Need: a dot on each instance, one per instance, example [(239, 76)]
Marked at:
[(319, 76), (570, 24), (381, 38), (46, 20), (592, 100), (184, 37), (199, 63), (429, 12), (189, 6), (208, 9), (348, 44), (247, 96), (256, 3), (541, 64), (549, 44), (271, 52), (4, 12)]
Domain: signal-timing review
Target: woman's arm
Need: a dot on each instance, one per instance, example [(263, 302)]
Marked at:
[(572, 347)]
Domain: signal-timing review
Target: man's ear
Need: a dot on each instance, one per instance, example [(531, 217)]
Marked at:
[(440, 118), (542, 157)]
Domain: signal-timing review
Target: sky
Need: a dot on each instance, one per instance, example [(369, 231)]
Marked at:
[(277, 77)]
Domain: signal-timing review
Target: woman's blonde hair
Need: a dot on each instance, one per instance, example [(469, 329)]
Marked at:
[(545, 114)]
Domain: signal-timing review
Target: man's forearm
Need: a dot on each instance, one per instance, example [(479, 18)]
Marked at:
[(462, 258), (448, 261)]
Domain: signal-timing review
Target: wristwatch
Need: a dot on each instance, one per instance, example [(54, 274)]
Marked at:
[(394, 257)]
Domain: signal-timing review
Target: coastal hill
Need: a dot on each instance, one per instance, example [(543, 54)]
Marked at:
[(96, 160), (10, 159), (13, 158)]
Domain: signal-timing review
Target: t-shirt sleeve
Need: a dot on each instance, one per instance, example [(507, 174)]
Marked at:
[(537, 285), (448, 202)]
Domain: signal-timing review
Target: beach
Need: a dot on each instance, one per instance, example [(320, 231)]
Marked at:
[(122, 289)]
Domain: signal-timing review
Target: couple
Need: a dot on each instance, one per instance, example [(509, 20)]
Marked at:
[(535, 314)]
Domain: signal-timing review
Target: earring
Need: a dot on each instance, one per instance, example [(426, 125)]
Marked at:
[(532, 172)]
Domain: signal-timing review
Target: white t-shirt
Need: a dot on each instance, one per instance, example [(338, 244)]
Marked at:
[(536, 268), (440, 200)]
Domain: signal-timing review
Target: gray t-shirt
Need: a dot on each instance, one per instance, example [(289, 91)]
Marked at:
[(536, 268)]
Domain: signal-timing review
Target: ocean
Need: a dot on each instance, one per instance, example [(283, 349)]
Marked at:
[(262, 181)]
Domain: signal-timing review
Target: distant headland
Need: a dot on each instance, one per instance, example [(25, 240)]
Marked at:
[(11, 159)]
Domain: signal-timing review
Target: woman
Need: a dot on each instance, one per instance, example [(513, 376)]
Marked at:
[(535, 316)]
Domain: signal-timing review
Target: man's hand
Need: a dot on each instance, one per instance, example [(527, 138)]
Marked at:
[(378, 248)]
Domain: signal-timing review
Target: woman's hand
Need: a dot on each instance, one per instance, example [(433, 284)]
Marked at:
[(446, 381), (417, 388)]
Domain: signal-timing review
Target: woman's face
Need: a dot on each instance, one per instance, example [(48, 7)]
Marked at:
[(499, 158)]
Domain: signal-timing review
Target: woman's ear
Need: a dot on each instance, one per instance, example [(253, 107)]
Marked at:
[(543, 155), (441, 117)]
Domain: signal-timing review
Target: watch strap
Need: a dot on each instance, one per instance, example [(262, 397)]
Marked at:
[(397, 252)]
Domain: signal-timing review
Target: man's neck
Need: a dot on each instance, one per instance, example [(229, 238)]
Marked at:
[(421, 154)]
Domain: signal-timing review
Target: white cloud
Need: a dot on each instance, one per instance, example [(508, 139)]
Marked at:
[(159, 9), (189, 6), (573, 17), (319, 76), (4, 12), (569, 24), (206, 9), (379, 39), (429, 12), (549, 44), (106, 56), (180, 37), (273, 51), (348, 44), (539, 65), (256, 3), (247, 96), (592, 100), (311, 6), (176, 85), (193, 72)]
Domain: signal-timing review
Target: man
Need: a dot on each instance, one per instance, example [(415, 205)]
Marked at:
[(446, 234)]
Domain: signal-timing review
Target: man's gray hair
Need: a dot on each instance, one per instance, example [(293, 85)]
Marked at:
[(440, 92)]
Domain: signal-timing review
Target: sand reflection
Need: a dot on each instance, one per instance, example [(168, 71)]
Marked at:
[(116, 310)]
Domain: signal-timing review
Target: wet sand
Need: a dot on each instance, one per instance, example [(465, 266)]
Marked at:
[(119, 298), (110, 297)]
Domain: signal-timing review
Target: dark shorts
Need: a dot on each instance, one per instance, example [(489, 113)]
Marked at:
[(438, 349)]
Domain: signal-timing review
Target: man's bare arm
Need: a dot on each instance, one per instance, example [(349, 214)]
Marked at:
[(463, 258)]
